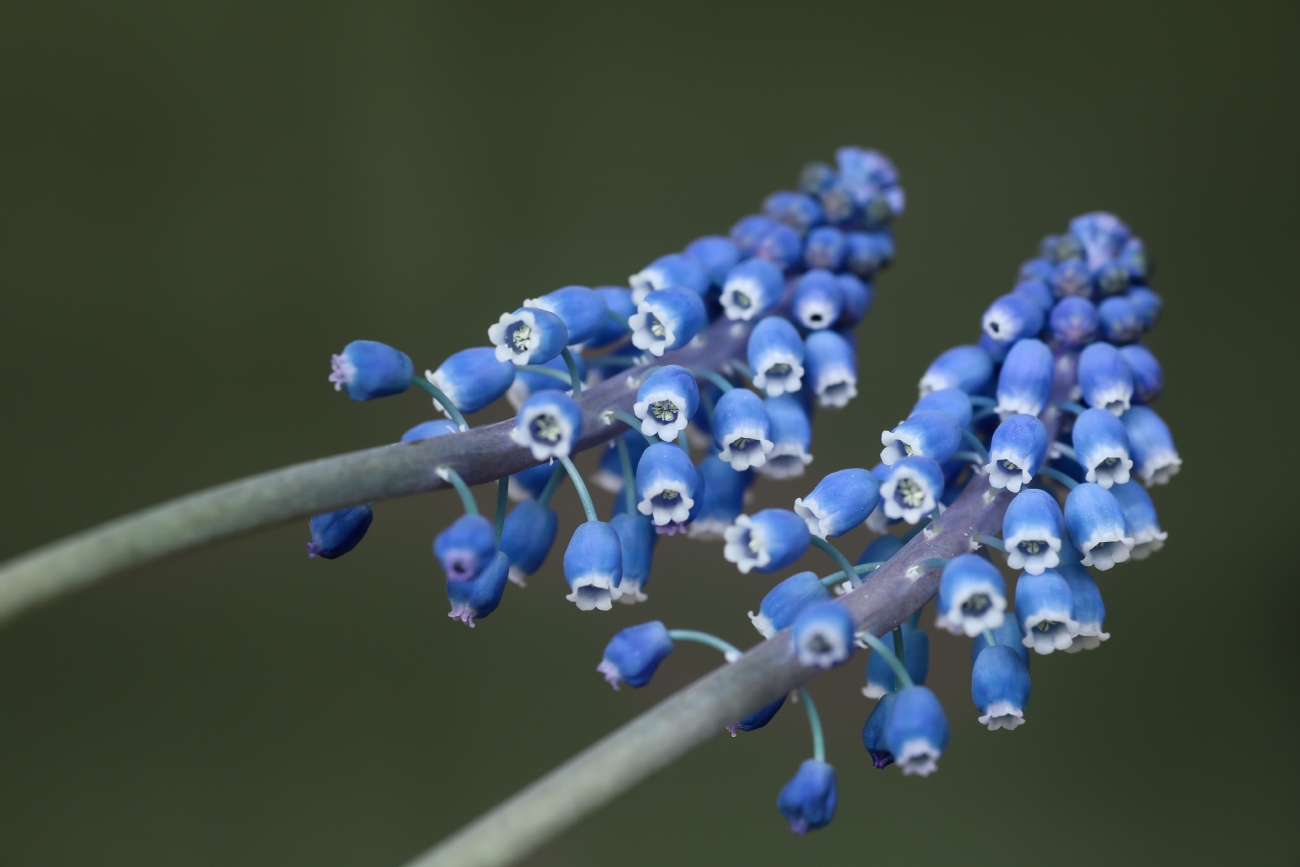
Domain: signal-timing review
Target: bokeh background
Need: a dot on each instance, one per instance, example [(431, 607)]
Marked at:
[(201, 202)]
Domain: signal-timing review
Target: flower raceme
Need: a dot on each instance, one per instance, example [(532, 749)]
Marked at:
[(1050, 401)]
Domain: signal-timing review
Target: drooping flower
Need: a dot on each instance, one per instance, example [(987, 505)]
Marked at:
[(808, 800), (972, 596), (841, 501), (741, 429), (675, 269), (999, 686), (767, 541), (634, 653), (548, 424), (1101, 446), (751, 289), (917, 731), (783, 602), (953, 401), (1140, 519), (636, 536), (334, 534), (1096, 526), (913, 489), (873, 732), (593, 565), (1151, 446), (881, 680), (666, 401), (1089, 610), (1148, 378), (1009, 634), (822, 635), (582, 310), (369, 369), (526, 538), (791, 435), (466, 547), (530, 335), (667, 319), (1011, 317), (818, 300), (1016, 452), (472, 378), (665, 484), (831, 368), (934, 434), (1045, 609), (968, 368), (775, 354), (1105, 379), (480, 596), (723, 499), (1032, 531), (1025, 381)]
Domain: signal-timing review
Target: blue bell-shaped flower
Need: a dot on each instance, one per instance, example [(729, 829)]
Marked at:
[(548, 424), (1148, 377), (1104, 378), (808, 800), (881, 680), (718, 255), (528, 336), (1139, 519), (1009, 634), (666, 401), (636, 536), (797, 210), (758, 718), (1025, 381), (791, 435), (1036, 269), (932, 433), (723, 499), (369, 369), (1012, 317), (818, 300), (765, 542), (968, 368), (582, 310), (783, 602), (1147, 303), (953, 401), (334, 534), (1151, 446), (873, 732), (857, 300), (1102, 236), (775, 354), (1101, 447), (824, 247), (675, 269), (999, 686), (466, 547), (526, 538), (1074, 322), (741, 429), (472, 378), (831, 368), (867, 252), (593, 565), (841, 501), (1120, 320), (748, 231), (751, 289), (481, 595), (781, 246), (1032, 531), (1016, 452), (634, 653), (917, 731), (1045, 610), (1071, 277), (1089, 610), (822, 635), (667, 319), (425, 430), (913, 489), (1095, 522), (665, 484), (972, 596), (1035, 289)]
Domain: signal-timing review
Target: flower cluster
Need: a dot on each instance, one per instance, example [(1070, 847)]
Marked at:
[(1048, 413)]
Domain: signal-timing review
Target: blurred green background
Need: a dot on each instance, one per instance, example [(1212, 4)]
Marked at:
[(201, 202)]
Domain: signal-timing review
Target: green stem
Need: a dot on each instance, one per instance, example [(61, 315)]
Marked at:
[(988, 637), (551, 484), (543, 370), (1071, 407), (900, 649), (730, 652), (682, 442), (981, 400), (1066, 449), (629, 478), (861, 569), (1056, 475), (443, 401), (611, 361), (742, 368), (814, 723), (915, 619), (975, 444), (970, 457), (715, 378), (991, 541), (916, 570), (447, 474), (620, 319), (900, 671), (583, 493), (503, 503), (843, 562), (633, 422), (575, 378)]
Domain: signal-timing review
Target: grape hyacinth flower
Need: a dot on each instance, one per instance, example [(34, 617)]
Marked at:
[(1016, 452), (758, 718), (1074, 322), (593, 565), (1045, 609), (1089, 610), (472, 379), (747, 232), (1071, 277), (1151, 446), (1101, 446), (765, 542), (741, 429), (334, 534), (718, 255), (881, 680), (1101, 235), (548, 424), (953, 401), (582, 310), (972, 596), (636, 536), (867, 252), (798, 211), (841, 501), (723, 499), (999, 686), (831, 368), (1105, 379), (665, 484), (479, 596), (1026, 378), (466, 547), (369, 369), (528, 336), (1148, 378), (917, 731), (791, 435), (526, 538), (873, 732), (824, 248), (931, 433), (809, 799), (818, 300), (1036, 290), (968, 368), (1032, 531), (666, 401), (857, 300), (775, 354), (667, 319), (1009, 634), (1120, 320), (822, 635), (675, 269), (781, 246), (426, 430), (913, 489), (1139, 519), (751, 289), (783, 602), (1012, 317), (1096, 526), (1147, 303), (634, 653)]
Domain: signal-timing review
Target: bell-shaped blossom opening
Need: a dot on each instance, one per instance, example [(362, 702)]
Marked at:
[(1095, 522), (1105, 378), (472, 379), (675, 269), (783, 602), (932, 433), (1045, 609), (479, 597), (548, 424), (1011, 317), (369, 369), (1151, 446), (818, 300), (582, 310), (767, 541), (633, 654), (822, 635), (1089, 610), (791, 435), (841, 501), (999, 686), (1101, 447), (636, 536), (917, 731), (751, 289), (466, 547), (1016, 452), (1032, 531), (913, 489), (831, 368), (953, 401), (593, 565), (968, 368), (808, 800), (775, 354), (723, 500), (665, 484), (667, 319), (1140, 519), (741, 429), (530, 335), (972, 596), (666, 402)]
